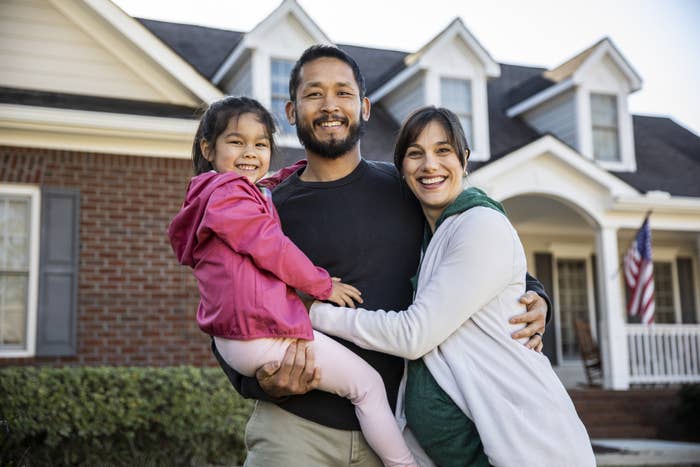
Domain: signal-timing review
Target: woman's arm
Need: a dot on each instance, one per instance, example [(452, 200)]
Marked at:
[(477, 265)]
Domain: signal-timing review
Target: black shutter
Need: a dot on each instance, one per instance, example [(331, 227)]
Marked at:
[(686, 286), (58, 272), (543, 266)]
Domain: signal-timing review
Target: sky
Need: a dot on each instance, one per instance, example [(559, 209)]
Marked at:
[(659, 38)]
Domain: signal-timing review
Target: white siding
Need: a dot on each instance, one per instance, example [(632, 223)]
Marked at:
[(41, 48), (557, 116), (407, 98), (240, 83)]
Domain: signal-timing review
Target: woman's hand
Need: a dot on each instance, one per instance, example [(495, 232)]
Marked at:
[(344, 294), (535, 317)]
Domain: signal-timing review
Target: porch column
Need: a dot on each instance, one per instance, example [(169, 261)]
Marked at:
[(613, 336)]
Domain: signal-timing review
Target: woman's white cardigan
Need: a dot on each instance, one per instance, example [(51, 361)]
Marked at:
[(471, 278)]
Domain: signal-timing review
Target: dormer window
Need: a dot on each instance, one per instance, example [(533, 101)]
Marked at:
[(456, 95), (279, 79), (606, 137)]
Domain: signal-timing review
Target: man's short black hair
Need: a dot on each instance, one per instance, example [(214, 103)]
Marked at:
[(321, 51)]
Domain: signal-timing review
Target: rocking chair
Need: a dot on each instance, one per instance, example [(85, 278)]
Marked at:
[(590, 354)]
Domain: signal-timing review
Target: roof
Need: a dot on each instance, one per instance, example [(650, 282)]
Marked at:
[(377, 65), (668, 155), (505, 133), (202, 47), (568, 68), (94, 103)]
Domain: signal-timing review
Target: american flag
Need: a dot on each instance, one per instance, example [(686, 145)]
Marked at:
[(639, 275)]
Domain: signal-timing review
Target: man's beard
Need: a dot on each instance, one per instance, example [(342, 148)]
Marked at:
[(333, 148)]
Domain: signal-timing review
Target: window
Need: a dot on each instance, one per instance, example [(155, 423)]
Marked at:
[(456, 95), (665, 309), (279, 77), (606, 146), (573, 302), (18, 247)]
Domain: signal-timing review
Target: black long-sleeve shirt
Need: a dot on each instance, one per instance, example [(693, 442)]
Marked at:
[(365, 228)]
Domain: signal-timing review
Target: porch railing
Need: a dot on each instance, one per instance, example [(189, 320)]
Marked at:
[(664, 353)]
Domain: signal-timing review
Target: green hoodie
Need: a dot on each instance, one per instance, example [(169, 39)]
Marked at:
[(454, 441)]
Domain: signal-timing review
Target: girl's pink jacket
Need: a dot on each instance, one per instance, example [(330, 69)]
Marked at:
[(229, 232)]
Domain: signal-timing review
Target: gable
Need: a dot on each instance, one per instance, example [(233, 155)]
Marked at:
[(605, 76), (453, 57), (285, 33), (287, 38), (69, 48), (548, 166)]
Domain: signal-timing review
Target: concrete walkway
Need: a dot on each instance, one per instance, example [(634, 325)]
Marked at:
[(649, 452)]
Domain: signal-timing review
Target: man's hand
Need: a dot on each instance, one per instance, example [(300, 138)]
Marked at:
[(296, 374), (535, 317)]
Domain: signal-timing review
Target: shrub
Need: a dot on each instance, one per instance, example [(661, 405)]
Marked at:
[(688, 411), (120, 416)]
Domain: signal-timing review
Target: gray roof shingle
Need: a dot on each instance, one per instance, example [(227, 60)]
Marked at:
[(202, 47), (668, 157)]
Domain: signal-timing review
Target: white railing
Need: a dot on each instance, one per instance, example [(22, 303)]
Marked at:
[(664, 353)]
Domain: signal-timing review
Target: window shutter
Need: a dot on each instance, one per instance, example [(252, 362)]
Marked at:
[(543, 266), (58, 272), (687, 291)]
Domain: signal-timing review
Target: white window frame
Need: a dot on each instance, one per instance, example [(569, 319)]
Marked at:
[(282, 137), (618, 141), (34, 195), (670, 255), (470, 115)]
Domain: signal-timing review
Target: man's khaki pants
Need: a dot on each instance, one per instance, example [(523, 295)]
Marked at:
[(275, 437)]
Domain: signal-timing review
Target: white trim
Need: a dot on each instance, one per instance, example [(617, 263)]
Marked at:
[(606, 46), (403, 76), (237, 53), (539, 98), (51, 128), (458, 28), (142, 38), (549, 144), (250, 39), (33, 284), (289, 141), (414, 61), (658, 203)]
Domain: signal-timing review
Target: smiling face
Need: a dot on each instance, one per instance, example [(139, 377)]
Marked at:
[(433, 170), (328, 110), (243, 147)]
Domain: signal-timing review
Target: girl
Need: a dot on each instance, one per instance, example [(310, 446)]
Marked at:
[(463, 365), (229, 232)]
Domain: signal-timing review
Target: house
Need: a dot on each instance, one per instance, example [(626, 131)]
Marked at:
[(97, 114)]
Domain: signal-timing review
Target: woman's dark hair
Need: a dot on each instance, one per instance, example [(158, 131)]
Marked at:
[(323, 51), (215, 120), (418, 120)]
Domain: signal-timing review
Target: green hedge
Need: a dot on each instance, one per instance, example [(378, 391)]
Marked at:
[(688, 411), (118, 416)]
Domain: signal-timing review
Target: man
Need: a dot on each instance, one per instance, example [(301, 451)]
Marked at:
[(354, 218)]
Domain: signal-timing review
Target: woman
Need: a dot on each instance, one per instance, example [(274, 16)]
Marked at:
[(463, 363)]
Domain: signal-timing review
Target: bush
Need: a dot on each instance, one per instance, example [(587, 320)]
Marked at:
[(120, 416), (688, 411)]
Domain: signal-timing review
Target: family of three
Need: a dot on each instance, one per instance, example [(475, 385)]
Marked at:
[(379, 315)]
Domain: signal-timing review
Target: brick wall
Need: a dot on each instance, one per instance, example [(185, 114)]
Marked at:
[(136, 305)]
